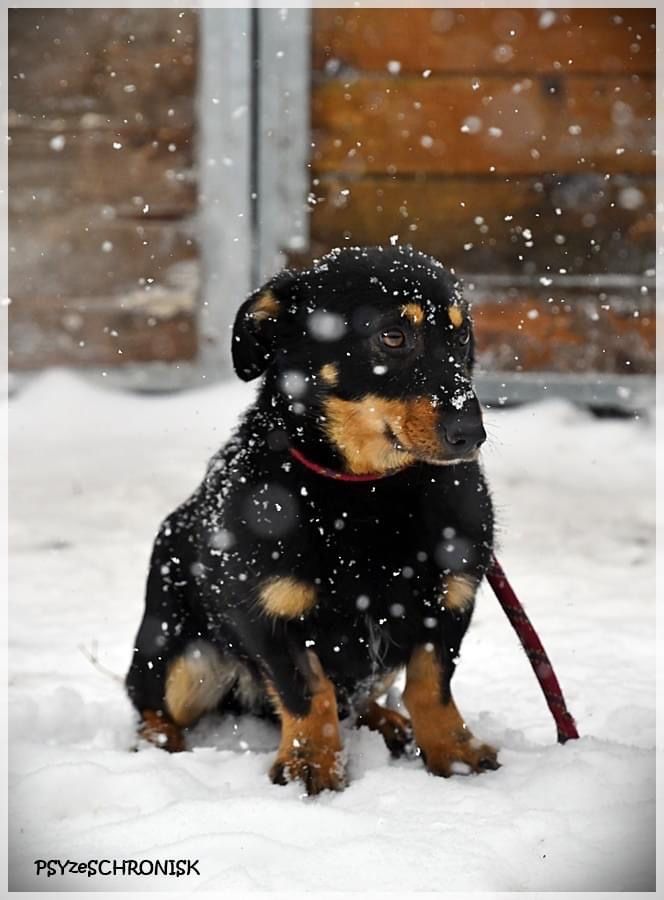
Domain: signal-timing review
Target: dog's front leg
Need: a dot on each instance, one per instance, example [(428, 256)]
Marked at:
[(441, 734), (310, 749)]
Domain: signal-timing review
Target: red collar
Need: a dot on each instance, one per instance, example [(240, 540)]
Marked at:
[(338, 476)]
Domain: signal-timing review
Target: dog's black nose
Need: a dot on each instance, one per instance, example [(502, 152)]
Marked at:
[(462, 436)]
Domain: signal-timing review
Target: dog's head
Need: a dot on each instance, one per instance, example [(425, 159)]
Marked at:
[(371, 349)]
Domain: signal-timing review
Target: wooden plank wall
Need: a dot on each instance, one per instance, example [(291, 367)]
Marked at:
[(517, 145), (103, 260)]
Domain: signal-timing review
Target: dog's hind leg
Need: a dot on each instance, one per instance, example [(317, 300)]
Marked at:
[(158, 729), (162, 664), (196, 682)]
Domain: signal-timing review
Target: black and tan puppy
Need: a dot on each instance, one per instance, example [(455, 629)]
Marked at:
[(342, 532)]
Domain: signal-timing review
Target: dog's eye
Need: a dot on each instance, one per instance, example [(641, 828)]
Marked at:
[(394, 338)]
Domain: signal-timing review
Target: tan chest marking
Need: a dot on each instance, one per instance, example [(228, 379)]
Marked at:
[(458, 592), (329, 373), (287, 597)]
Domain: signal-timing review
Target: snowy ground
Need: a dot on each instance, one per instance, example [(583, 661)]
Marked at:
[(92, 474)]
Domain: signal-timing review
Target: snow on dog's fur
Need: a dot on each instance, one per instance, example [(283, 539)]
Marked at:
[(367, 364)]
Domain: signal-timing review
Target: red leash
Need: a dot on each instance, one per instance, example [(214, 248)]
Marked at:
[(534, 651), (513, 610)]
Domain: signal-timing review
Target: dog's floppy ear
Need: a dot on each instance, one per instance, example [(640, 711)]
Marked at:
[(258, 324)]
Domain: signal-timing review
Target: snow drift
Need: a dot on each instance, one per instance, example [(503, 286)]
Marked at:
[(92, 474)]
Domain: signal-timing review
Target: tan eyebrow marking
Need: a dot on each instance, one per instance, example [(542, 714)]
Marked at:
[(414, 312), (456, 316)]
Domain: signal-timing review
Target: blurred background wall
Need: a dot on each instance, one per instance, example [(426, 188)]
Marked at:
[(163, 161), (102, 186)]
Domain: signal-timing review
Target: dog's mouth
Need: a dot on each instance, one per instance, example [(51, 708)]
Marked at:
[(400, 446)]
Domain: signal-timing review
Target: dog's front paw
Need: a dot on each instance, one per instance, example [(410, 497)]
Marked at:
[(459, 754), (321, 771)]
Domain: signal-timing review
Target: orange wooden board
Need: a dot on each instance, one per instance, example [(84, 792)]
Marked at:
[(525, 331), (86, 252), (143, 174), (136, 67), (447, 125), (102, 334), (582, 222), (102, 259), (482, 41)]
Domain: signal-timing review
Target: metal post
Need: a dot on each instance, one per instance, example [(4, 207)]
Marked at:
[(282, 139), (225, 228)]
